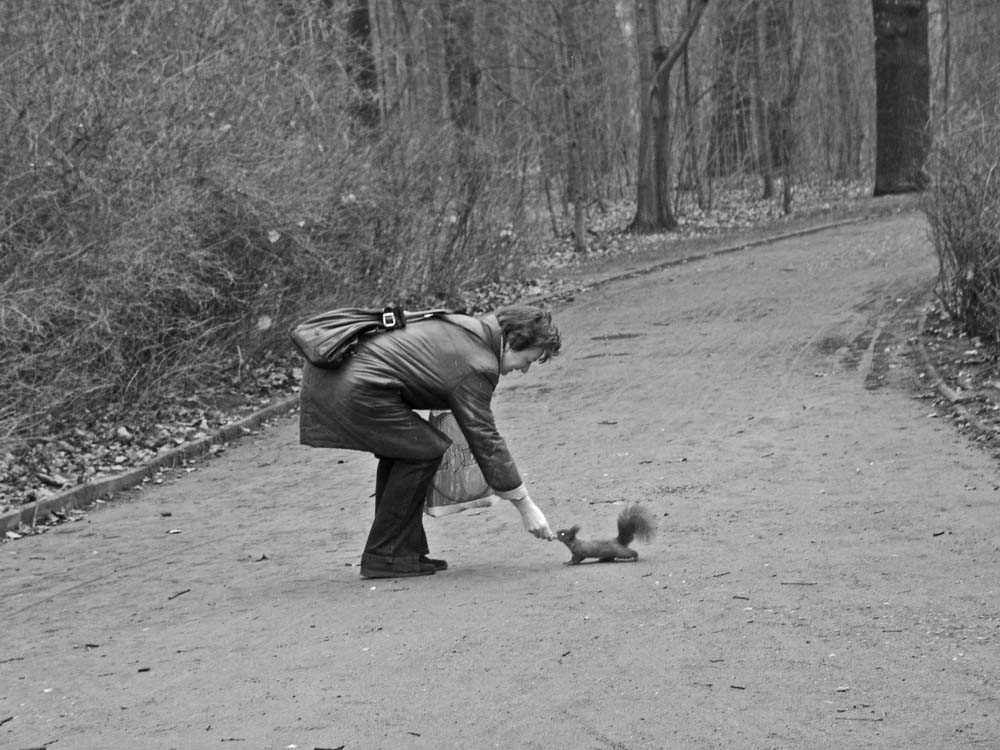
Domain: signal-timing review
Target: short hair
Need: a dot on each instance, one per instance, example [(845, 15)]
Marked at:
[(524, 327)]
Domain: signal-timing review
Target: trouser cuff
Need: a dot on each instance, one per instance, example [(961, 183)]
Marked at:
[(402, 563)]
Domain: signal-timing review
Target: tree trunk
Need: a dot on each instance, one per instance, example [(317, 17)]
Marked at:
[(842, 80), (787, 155), (654, 212), (945, 116), (660, 112), (647, 35), (364, 105), (696, 175), (761, 108), (795, 46), (902, 95), (570, 55), (461, 72)]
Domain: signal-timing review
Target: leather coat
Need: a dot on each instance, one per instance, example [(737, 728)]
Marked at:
[(367, 404)]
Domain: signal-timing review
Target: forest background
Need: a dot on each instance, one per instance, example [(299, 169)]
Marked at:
[(181, 180)]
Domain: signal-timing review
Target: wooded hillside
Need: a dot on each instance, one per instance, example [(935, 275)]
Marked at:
[(180, 179)]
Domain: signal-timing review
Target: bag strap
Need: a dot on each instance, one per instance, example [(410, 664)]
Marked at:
[(459, 318), (394, 316)]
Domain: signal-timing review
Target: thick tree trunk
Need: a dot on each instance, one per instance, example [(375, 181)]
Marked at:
[(902, 95), (663, 214), (647, 36)]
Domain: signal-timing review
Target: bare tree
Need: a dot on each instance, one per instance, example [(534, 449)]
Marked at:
[(762, 108), (360, 66), (654, 211), (695, 176), (845, 75), (570, 56), (461, 72), (794, 44)]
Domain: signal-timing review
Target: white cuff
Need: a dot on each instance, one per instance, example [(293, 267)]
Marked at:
[(518, 493)]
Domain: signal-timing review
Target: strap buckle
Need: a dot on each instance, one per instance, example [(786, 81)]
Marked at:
[(393, 317)]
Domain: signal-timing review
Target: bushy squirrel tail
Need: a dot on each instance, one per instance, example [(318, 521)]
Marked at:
[(635, 522)]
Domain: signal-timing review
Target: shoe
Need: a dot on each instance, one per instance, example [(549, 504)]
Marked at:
[(391, 571), (438, 564)]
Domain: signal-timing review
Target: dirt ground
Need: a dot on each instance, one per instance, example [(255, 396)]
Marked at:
[(826, 573)]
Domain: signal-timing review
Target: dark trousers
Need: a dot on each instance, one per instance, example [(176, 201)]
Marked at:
[(397, 535)]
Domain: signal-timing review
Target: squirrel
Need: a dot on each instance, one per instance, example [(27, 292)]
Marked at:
[(633, 522)]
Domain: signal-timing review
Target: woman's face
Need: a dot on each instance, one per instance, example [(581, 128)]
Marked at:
[(519, 359)]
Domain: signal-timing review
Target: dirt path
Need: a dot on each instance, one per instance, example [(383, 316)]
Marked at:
[(826, 575)]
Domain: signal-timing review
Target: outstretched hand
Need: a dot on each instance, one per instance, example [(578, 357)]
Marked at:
[(534, 519)]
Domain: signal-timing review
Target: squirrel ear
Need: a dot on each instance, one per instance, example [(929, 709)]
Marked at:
[(574, 529)]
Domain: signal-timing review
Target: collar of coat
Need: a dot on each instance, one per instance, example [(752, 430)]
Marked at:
[(494, 334), (485, 328)]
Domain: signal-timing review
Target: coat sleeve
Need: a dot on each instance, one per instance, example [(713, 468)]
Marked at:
[(470, 403)]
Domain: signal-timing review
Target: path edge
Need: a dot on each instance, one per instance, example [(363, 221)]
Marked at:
[(85, 495)]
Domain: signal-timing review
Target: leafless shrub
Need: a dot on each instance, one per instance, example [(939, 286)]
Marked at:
[(962, 205), (177, 188)]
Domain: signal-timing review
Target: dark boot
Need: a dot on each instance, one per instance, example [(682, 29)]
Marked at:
[(438, 564)]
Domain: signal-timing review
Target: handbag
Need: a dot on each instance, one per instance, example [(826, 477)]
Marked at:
[(459, 483), (327, 339)]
